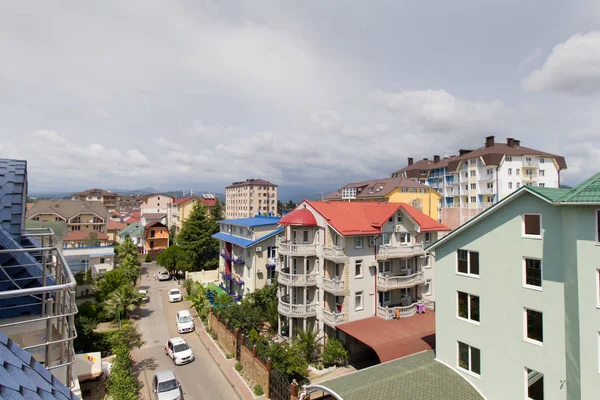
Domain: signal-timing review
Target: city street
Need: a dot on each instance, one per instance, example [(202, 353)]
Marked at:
[(201, 379)]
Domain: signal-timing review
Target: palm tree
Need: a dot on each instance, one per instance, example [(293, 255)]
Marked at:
[(307, 341), (124, 299)]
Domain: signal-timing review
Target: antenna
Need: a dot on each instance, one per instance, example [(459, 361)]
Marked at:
[(183, 193), (191, 193)]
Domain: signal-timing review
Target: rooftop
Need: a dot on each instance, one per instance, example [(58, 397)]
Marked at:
[(13, 184), (247, 182), (68, 208), (95, 192), (377, 188), (227, 237), (82, 235), (251, 222), (206, 201), (114, 225)]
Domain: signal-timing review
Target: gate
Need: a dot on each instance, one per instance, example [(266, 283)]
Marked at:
[(279, 386)]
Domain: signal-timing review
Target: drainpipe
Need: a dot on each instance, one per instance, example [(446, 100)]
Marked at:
[(497, 185), (376, 273)]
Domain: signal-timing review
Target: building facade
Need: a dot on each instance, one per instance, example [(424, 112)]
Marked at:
[(248, 254), (185, 205), (345, 261), (157, 204), (109, 199), (518, 295), (156, 238), (250, 198)]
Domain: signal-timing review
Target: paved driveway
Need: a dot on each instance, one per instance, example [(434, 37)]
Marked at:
[(200, 379)]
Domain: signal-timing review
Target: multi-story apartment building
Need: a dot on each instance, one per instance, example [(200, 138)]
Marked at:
[(157, 207), (110, 199), (185, 205), (248, 253), (250, 198), (476, 179), (37, 300), (129, 204), (518, 295), (346, 261), (156, 238), (392, 190)]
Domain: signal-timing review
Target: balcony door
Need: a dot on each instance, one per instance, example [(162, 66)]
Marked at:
[(336, 271), (294, 265), (294, 235)]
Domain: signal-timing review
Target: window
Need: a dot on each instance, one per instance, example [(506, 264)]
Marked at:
[(427, 287), (517, 171), (399, 217), (532, 225), (542, 185), (358, 301), (386, 297), (405, 237), (427, 237), (468, 262), (385, 267), (391, 220), (518, 185), (469, 358), (473, 161), (386, 238), (508, 158), (468, 306), (426, 262), (358, 268), (473, 173), (534, 382), (598, 288), (542, 172), (533, 273), (490, 185), (473, 186), (358, 242), (304, 235), (542, 160), (510, 171), (473, 199), (534, 330), (510, 185), (102, 260)]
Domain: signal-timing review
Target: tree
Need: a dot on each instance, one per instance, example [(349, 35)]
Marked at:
[(91, 240), (172, 235), (108, 283), (128, 248), (128, 260), (216, 212), (122, 384), (127, 336), (174, 259), (124, 299), (195, 239), (307, 341), (334, 353)]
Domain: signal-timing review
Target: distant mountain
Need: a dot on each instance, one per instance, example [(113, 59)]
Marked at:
[(135, 192)]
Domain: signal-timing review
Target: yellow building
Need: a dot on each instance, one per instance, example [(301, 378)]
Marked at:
[(185, 205), (392, 190)]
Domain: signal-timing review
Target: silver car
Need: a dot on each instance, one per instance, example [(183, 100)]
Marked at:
[(165, 386)]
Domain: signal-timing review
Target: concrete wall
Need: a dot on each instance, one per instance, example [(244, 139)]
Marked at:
[(429, 200), (203, 276), (254, 369), (455, 217), (225, 338)]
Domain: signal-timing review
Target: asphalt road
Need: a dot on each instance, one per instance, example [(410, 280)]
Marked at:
[(200, 379)]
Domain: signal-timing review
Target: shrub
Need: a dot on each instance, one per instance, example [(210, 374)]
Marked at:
[(148, 258), (334, 353), (258, 390), (238, 366), (229, 356), (122, 384), (88, 309)]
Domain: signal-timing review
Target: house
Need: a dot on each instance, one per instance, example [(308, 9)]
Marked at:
[(34, 280), (113, 228), (109, 199), (157, 207), (249, 198), (132, 217), (156, 238), (185, 205), (349, 269), (129, 204), (248, 253), (474, 180), (135, 231), (518, 295), (392, 190)]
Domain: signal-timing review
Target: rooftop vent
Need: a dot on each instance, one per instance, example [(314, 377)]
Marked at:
[(436, 159), (510, 142), (489, 141), (410, 161)]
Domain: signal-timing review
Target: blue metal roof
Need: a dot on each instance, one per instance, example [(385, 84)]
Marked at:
[(226, 237), (22, 377), (13, 196), (250, 222)]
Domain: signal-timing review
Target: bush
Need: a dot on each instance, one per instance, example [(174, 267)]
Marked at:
[(148, 258), (229, 356), (334, 353), (88, 309), (258, 390), (238, 366), (122, 384)]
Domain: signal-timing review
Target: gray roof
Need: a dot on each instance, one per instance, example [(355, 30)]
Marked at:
[(68, 208), (154, 216), (22, 377), (13, 195), (381, 188), (418, 376)]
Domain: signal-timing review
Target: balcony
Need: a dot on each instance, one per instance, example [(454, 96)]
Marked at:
[(335, 287), (226, 256), (297, 310), (385, 283), (487, 190), (532, 163), (288, 279), (239, 260), (226, 276), (287, 248), (487, 177), (530, 177), (335, 254), (395, 312), (332, 318), (271, 263), (399, 251)]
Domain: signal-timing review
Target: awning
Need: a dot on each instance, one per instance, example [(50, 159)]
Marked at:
[(392, 339)]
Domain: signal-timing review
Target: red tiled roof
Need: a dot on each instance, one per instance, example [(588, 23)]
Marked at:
[(206, 202), (82, 235), (114, 225), (392, 339), (426, 223), (299, 217)]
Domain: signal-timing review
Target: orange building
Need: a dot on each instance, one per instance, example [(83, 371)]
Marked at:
[(156, 238)]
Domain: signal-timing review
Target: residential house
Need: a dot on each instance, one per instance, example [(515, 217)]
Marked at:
[(113, 228), (37, 300), (157, 207), (250, 198), (248, 253), (129, 204), (185, 205), (156, 238), (132, 217), (392, 190), (348, 269), (109, 199), (474, 180), (518, 295), (135, 231)]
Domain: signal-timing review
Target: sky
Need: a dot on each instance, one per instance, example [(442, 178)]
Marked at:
[(312, 94)]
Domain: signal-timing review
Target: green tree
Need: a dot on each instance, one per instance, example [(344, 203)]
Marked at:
[(129, 262), (128, 249), (122, 301), (174, 259), (127, 336), (172, 235), (195, 239), (334, 353), (307, 342), (216, 212), (108, 283), (91, 240), (122, 384)]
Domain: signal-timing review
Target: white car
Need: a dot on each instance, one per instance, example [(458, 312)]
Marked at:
[(185, 323), (175, 295), (179, 351), (166, 386), (144, 294), (164, 275)]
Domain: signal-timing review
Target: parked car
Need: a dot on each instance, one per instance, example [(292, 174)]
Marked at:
[(179, 351), (165, 386), (144, 293), (164, 275), (175, 295), (185, 323)]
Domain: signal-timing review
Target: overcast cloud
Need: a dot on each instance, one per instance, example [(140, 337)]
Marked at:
[(202, 93)]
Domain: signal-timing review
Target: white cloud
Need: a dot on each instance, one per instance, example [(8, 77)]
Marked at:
[(573, 67), (532, 57)]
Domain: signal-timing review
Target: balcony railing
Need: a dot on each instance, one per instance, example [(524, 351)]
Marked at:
[(533, 163), (332, 318), (487, 177), (398, 251), (390, 312), (335, 254), (297, 310), (271, 263), (530, 177), (334, 286), (41, 317), (286, 278), (287, 248), (385, 283)]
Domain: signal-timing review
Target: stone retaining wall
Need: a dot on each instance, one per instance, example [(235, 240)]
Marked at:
[(225, 338), (255, 369)]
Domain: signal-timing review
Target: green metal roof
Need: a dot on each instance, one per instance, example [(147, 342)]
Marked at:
[(414, 377), (551, 194), (587, 191)]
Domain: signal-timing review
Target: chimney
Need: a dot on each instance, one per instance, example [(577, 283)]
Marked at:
[(436, 159), (489, 141), (510, 142), (425, 158), (517, 142), (410, 161), (462, 152)]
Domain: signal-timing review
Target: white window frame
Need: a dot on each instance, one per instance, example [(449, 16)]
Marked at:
[(359, 240), (428, 285), (468, 273), (466, 371), (527, 380), (358, 306), (427, 261), (598, 288), (597, 226), (427, 237), (525, 337), (358, 263), (523, 234), (532, 287), (508, 158), (385, 270), (387, 294), (468, 319)]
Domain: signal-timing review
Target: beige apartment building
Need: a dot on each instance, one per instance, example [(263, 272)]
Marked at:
[(250, 198), (110, 199)]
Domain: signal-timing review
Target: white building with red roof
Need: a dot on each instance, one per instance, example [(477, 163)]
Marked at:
[(341, 264)]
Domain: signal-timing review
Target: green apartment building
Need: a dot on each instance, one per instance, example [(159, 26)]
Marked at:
[(518, 295)]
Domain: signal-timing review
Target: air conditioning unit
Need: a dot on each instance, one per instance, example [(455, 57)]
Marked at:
[(258, 249), (398, 228)]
